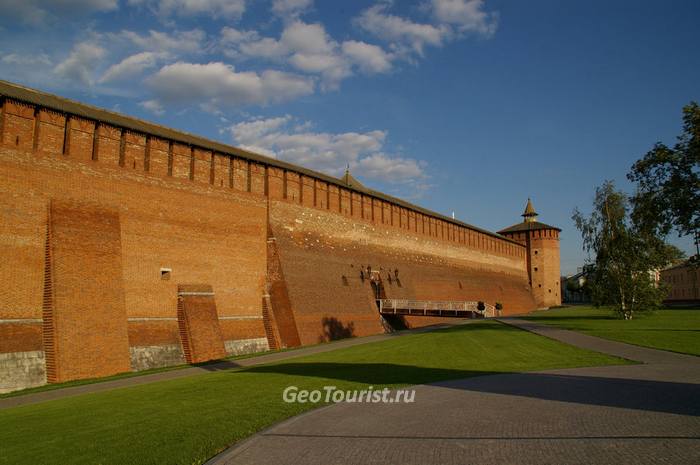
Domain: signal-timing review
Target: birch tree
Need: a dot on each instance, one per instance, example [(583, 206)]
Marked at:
[(627, 257)]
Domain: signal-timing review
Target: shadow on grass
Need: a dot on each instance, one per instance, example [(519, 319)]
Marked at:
[(554, 318), (656, 396)]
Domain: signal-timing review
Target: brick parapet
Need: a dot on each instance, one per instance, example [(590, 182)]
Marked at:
[(96, 140)]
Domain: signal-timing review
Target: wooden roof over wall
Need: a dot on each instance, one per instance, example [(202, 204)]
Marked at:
[(72, 107)]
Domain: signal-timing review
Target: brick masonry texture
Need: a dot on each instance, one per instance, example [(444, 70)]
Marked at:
[(86, 321), (322, 255), (141, 214), (199, 323)]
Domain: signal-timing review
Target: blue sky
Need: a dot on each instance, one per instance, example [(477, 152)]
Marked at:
[(457, 105)]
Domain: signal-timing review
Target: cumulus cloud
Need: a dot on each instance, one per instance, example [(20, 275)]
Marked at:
[(131, 66), (81, 63), (219, 84), (401, 31), (290, 8), (380, 166), (15, 59), (283, 138), (227, 9), (370, 58), (466, 15), (154, 106), (310, 49), (191, 41), (453, 19), (37, 11)]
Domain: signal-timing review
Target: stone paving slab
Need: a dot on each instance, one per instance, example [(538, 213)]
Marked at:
[(629, 414)]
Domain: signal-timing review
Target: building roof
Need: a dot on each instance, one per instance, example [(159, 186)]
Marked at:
[(350, 180), (64, 105), (693, 261), (529, 209), (527, 226)]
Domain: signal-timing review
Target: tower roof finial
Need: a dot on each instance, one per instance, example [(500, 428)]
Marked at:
[(530, 214)]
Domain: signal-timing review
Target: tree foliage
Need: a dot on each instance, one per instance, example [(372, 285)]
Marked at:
[(668, 182), (626, 255)]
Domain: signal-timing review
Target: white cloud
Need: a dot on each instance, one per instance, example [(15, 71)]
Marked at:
[(192, 41), (37, 11), (154, 106), (81, 63), (310, 49), (265, 47), (283, 138), (220, 85), (380, 166), (401, 31), (227, 9), (15, 59), (233, 36), (466, 15), (131, 66), (290, 8), (370, 58)]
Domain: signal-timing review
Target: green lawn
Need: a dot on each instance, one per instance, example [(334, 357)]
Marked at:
[(188, 420), (667, 329)]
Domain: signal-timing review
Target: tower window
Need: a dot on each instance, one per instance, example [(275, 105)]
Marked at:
[(165, 273), (535, 268)]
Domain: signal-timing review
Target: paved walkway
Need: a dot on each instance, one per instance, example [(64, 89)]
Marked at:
[(634, 414), (272, 357)]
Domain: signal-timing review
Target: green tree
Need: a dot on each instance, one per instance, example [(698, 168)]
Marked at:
[(626, 256), (668, 182)]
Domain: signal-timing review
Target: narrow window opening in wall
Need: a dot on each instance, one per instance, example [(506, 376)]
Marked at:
[(536, 252), (345, 281), (17, 140), (535, 268), (165, 273), (550, 291), (539, 285)]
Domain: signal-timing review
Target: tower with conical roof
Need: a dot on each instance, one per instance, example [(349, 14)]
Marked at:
[(542, 255)]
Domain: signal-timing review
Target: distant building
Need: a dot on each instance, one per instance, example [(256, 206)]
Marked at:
[(683, 280), (573, 288)]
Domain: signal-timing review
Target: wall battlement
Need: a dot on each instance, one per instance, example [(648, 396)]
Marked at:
[(33, 127), (151, 211)]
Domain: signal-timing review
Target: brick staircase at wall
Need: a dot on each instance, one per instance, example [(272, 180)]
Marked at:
[(269, 323), (182, 329)]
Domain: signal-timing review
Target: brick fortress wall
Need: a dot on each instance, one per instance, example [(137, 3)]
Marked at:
[(191, 215)]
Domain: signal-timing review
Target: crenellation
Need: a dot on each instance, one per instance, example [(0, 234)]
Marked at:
[(202, 169), (293, 187), (257, 178), (202, 227), (181, 161)]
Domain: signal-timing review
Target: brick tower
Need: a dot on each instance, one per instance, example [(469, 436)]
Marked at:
[(542, 243)]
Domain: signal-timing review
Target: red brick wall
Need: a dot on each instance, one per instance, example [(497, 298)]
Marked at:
[(87, 319), (318, 250), (201, 232), (203, 215), (199, 324), (20, 337), (153, 333)]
